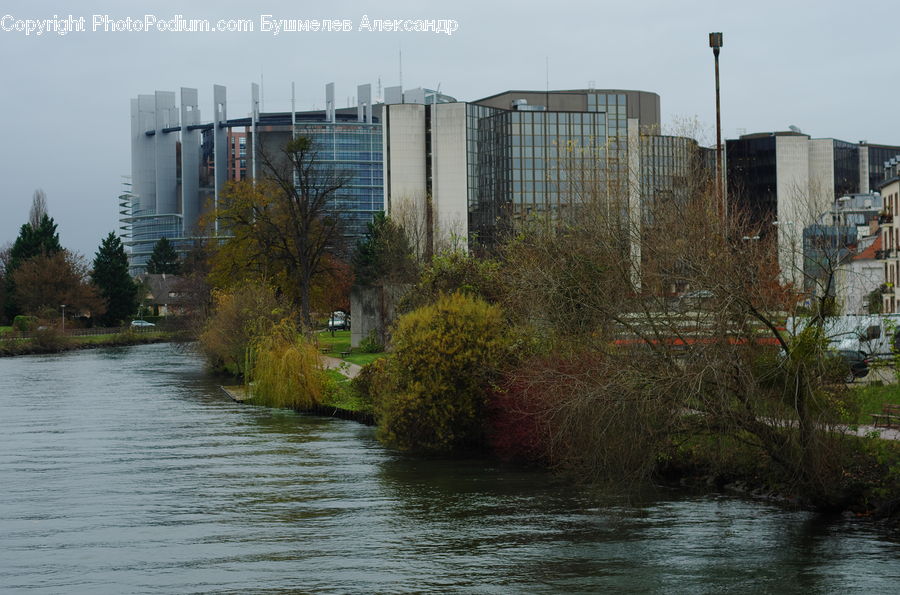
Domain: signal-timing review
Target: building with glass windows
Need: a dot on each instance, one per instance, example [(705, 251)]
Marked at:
[(180, 164), (890, 234), (476, 170), (790, 180)]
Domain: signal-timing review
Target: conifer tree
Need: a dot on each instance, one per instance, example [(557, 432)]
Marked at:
[(110, 275), (164, 259), (42, 240)]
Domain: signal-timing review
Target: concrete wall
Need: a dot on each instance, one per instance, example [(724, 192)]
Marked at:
[(404, 156), (190, 160), (855, 281), (792, 190), (166, 163), (374, 309), (821, 175), (143, 153), (450, 189)]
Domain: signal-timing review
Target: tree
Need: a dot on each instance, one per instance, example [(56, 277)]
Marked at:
[(38, 208), (285, 225), (45, 282), (654, 371), (164, 259), (110, 275), (384, 255), (32, 241), (433, 389)]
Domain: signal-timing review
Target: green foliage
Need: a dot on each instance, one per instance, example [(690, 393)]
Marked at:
[(371, 344), (110, 275), (455, 271), (432, 390), (285, 370), (384, 255), (24, 323), (239, 317), (42, 240), (164, 259)]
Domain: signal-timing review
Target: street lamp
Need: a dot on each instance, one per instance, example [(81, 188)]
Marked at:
[(715, 42), (63, 306)]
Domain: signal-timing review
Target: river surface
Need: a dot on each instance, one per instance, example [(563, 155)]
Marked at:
[(127, 470)]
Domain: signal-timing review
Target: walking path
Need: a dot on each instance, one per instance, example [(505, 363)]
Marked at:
[(344, 367)]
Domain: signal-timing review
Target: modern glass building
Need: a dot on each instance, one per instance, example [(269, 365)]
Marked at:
[(180, 164), (354, 150)]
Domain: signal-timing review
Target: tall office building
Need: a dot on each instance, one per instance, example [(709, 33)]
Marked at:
[(478, 169), (791, 180), (181, 163)]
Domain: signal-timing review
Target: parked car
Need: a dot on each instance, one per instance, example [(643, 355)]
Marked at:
[(141, 323), (338, 321), (857, 363)]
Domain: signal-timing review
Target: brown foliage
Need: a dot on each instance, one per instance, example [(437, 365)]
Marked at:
[(46, 282)]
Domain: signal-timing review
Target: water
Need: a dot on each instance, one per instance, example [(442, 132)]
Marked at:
[(128, 471)]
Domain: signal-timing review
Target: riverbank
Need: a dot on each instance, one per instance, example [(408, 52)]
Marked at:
[(58, 343)]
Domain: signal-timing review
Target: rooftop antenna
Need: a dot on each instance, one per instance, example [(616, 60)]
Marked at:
[(262, 93), (401, 68), (378, 97)]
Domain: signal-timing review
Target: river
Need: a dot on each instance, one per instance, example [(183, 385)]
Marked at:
[(127, 470)]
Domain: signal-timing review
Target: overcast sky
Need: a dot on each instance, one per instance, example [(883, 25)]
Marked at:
[(829, 67)]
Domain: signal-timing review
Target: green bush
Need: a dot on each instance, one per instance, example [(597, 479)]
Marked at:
[(431, 393), (285, 370), (371, 344), (25, 323), (239, 317)]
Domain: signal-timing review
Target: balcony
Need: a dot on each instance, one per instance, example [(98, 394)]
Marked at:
[(883, 254), (887, 289), (885, 219)]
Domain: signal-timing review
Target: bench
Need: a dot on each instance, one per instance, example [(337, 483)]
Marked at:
[(345, 354), (325, 349), (889, 416)]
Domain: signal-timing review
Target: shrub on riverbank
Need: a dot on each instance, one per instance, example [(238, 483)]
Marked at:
[(240, 316), (431, 392), (285, 369)]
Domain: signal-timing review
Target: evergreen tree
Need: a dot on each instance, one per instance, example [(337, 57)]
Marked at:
[(164, 259), (42, 240), (110, 275)]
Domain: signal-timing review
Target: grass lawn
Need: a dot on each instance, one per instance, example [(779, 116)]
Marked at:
[(341, 395), (872, 396), (340, 342), (5, 329)]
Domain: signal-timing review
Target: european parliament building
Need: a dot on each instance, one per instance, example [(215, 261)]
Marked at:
[(180, 162), (469, 170)]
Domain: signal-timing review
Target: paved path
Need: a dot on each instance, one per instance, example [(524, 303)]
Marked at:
[(344, 367)]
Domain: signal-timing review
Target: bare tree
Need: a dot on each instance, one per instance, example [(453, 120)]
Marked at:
[(38, 208), (288, 223)]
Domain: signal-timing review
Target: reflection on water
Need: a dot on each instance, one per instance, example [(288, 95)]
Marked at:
[(127, 470)]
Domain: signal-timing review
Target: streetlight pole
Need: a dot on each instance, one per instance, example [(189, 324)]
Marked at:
[(63, 318), (715, 42)]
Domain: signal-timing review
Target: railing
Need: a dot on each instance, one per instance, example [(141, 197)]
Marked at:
[(84, 332), (885, 218), (883, 254)]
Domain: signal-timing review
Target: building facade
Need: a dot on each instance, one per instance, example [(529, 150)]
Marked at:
[(788, 180), (890, 235), (181, 162), (481, 168)]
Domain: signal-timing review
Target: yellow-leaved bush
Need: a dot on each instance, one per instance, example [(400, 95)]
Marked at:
[(432, 389), (285, 370)]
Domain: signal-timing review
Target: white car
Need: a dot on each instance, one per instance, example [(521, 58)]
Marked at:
[(141, 323)]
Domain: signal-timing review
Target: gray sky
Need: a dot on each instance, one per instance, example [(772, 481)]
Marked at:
[(828, 67)]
